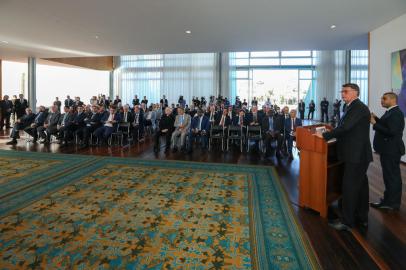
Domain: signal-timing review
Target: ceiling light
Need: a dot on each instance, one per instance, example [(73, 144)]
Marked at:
[(4, 41), (188, 32), (333, 26), (96, 37)]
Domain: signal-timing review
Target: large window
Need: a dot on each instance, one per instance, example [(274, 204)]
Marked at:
[(283, 76), (359, 72)]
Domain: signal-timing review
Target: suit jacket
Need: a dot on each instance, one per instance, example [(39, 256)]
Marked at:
[(205, 123), (227, 121), (352, 134), (388, 133), (301, 106), (69, 102), (167, 122), (277, 123), (288, 125), (79, 120), (186, 121), (140, 118), (250, 118), (27, 119), (130, 117), (53, 119), (40, 118), (93, 120), (117, 118), (64, 121), (6, 106), (236, 122), (20, 106)]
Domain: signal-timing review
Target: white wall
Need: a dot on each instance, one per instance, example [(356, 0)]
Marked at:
[(383, 41)]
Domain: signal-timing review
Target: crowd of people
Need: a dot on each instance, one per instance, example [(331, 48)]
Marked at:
[(183, 125)]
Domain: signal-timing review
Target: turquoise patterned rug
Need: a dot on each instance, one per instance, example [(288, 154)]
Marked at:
[(85, 212)]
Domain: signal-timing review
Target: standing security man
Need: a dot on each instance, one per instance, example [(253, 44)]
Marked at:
[(389, 145), (324, 109)]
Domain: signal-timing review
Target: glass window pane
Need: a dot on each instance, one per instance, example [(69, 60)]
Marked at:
[(242, 74), (265, 54), (305, 74), (296, 61), (241, 55), (296, 53), (264, 62), (241, 62)]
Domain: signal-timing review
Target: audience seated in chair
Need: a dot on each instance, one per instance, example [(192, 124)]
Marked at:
[(165, 128), (110, 123), (137, 126), (182, 125), (272, 126), (39, 120), (92, 122), (199, 129), (23, 122), (290, 130), (50, 126)]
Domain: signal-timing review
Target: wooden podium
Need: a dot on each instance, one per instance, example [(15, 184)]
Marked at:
[(321, 173)]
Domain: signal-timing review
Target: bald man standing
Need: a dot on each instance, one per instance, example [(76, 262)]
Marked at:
[(389, 145)]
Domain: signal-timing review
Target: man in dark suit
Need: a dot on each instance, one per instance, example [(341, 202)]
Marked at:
[(64, 121), (76, 124), (290, 130), (254, 118), (50, 125), (301, 107), (39, 120), (136, 101), (23, 122), (20, 106), (92, 122), (6, 107), (223, 120), (389, 145), (199, 127), (165, 128), (164, 102), (68, 101), (354, 149), (110, 123), (137, 126), (271, 127), (324, 109)]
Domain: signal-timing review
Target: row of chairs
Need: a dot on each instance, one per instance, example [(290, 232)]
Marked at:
[(243, 134)]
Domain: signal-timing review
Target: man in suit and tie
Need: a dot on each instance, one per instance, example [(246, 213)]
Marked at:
[(69, 102), (38, 122), (50, 125), (254, 118), (165, 128), (137, 125), (223, 119), (182, 125), (271, 126), (110, 122), (136, 101), (324, 110), (389, 145), (6, 107), (301, 107), (76, 124), (200, 127), (64, 121), (290, 130), (354, 149), (23, 122), (20, 106), (92, 122)]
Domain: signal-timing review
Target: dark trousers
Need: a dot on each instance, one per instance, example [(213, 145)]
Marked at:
[(392, 180), (15, 132), (310, 113), (324, 113), (302, 114), (5, 120), (158, 135), (337, 115), (355, 190), (268, 139), (32, 131)]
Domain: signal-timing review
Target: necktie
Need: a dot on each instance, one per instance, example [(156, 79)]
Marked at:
[(240, 120), (270, 124), (293, 124), (125, 117), (222, 121), (200, 123)]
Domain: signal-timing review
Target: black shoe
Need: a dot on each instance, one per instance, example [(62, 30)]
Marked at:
[(339, 226), (13, 142), (383, 206), (174, 150)]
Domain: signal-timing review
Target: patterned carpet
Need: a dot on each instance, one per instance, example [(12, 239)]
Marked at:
[(86, 212)]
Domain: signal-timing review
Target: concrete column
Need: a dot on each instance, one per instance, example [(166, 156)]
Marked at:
[(32, 83), (111, 86)]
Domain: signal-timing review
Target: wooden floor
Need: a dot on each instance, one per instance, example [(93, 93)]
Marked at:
[(382, 245)]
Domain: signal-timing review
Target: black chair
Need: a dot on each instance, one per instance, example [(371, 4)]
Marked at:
[(235, 133), (254, 133), (217, 133)]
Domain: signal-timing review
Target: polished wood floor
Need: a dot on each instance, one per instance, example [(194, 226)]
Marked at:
[(381, 246)]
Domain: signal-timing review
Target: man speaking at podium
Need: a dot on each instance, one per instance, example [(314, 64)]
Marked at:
[(354, 149)]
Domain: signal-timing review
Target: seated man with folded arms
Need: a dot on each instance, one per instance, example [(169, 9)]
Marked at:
[(182, 125), (50, 126), (23, 122), (39, 120), (200, 127), (165, 128)]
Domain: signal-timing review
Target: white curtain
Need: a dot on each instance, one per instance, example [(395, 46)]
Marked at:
[(330, 76), (359, 72), (171, 75)]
